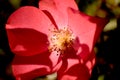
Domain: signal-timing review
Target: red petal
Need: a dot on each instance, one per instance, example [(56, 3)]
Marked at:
[(73, 68), (87, 29), (75, 72), (30, 17), (58, 10), (26, 29), (27, 42), (30, 67)]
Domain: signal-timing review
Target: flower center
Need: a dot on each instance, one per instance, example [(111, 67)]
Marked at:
[(61, 40)]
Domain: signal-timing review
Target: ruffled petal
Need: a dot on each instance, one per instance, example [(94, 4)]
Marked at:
[(58, 10), (30, 67), (27, 30), (87, 29)]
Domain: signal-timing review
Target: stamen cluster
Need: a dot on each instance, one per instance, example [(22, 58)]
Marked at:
[(61, 40)]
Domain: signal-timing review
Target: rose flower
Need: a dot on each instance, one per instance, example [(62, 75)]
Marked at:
[(56, 37)]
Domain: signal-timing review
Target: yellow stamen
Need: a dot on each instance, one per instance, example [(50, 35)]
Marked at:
[(60, 40)]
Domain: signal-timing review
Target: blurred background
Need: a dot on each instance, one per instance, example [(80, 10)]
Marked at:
[(107, 48)]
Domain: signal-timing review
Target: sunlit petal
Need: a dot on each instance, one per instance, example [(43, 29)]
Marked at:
[(58, 10)]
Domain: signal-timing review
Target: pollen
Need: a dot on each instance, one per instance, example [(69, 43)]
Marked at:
[(61, 40)]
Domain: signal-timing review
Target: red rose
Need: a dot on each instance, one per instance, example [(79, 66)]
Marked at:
[(56, 37)]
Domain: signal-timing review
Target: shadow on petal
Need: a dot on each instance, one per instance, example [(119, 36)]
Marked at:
[(31, 75), (77, 65), (27, 42), (51, 18), (34, 66), (75, 72)]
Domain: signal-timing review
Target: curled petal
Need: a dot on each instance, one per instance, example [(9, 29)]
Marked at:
[(58, 10)]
